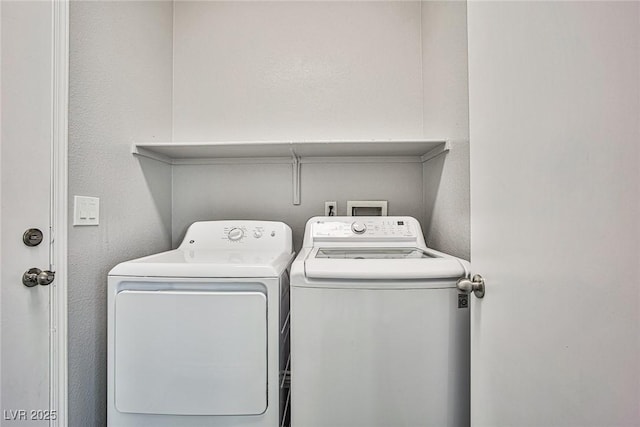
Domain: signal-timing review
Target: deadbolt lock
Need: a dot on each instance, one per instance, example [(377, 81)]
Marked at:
[(32, 237)]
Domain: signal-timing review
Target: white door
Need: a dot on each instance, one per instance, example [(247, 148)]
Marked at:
[(555, 213), (26, 137)]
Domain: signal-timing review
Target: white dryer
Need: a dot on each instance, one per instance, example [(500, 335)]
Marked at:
[(380, 334), (198, 336)]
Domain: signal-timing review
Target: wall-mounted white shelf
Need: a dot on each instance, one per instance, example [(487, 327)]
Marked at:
[(201, 152), (295, 153)]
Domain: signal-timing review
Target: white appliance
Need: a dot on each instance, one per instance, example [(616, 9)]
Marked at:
[(198, 336), (380, 334)]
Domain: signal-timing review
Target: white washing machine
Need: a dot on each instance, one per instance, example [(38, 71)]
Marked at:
[(198, 336), (380, 334)]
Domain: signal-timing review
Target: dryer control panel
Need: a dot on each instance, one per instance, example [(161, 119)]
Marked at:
[(250, 235), (240, 231)]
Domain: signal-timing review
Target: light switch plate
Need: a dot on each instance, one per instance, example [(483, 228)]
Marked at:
[(86, 210)]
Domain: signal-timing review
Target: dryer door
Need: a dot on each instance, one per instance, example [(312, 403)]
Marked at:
[(191, 353)]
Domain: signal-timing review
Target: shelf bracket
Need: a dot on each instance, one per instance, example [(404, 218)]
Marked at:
[(295, 164)]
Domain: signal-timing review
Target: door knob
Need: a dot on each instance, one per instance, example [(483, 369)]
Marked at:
[(475, 285), (35, 276)]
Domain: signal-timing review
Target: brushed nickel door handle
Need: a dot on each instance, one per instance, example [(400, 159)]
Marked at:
[(475, 285)]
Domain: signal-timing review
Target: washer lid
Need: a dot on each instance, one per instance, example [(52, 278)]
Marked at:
[(372, 253), (206, 263), (377, 263)]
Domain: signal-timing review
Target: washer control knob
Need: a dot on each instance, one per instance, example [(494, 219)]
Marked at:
[(235, 234), (358, 227), (257, 234)]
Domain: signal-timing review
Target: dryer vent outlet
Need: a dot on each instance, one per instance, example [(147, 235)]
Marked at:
[(330, 208)]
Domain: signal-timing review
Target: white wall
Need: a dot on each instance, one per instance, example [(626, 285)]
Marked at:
[(323, 70), (264, 192), (555, 154), (446, 113), (243, 71), (281, 70), (120, 91)]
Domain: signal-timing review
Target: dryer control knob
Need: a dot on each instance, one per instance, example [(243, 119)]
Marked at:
[(235, 234), (257, 234), (358, 227)]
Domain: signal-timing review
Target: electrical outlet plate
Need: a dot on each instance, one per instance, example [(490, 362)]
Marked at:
[(331, 208), (86, 210)]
